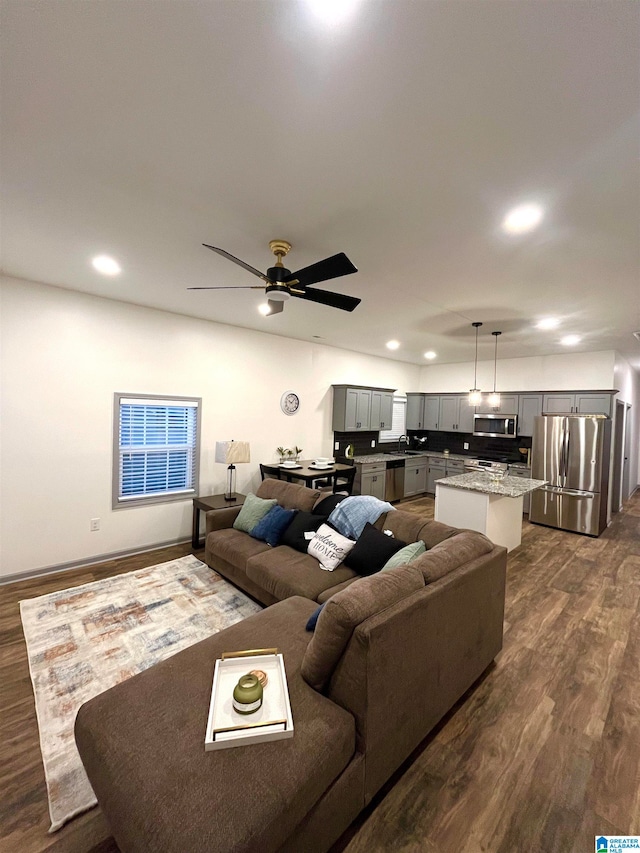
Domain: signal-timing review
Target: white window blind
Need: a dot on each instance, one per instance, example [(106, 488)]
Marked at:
[(398, 421), (157, 448)]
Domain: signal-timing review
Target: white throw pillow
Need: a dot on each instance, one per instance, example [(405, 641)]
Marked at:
[(329, 547)]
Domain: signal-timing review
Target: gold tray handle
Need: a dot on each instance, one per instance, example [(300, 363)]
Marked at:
[(248, 653)]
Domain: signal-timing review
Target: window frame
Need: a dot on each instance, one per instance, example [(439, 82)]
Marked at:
[(402, 399), (119, 502)]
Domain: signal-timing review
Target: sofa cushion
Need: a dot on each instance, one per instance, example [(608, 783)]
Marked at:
[(372, 550), (177, 798), (288, 495), (434, 532), (325, 506), (251, 511), (329, 547), (344, 611), (234, 547), (446, 556), (271, 527), (284, 572), (405, 555), (304, 522)]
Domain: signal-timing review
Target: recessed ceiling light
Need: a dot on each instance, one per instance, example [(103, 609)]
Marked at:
[(570, 340), (430, 354), (523, 218), (264, 309), (393, 344), (106, 265), (332, 11), (548, 323)]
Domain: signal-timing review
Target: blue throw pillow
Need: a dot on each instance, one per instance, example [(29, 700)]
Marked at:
[(311, 624), (271, 527)]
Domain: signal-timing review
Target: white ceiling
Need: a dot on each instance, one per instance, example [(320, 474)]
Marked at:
[(401, 137)]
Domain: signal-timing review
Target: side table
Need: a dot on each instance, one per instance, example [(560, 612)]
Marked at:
[(206, 504)]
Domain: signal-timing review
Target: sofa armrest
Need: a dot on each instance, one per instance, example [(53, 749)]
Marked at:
[(221, 519)]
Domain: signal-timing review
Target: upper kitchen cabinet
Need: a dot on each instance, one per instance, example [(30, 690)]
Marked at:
[(577, 403), (508, 406), (456, 415), (355, 410), (415, 411), (381, 409), (529, 407)]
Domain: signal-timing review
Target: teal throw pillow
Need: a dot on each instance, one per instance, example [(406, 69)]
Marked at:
[(253, 509), (405, 555), (271, 526)]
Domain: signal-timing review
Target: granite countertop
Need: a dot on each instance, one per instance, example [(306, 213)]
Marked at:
[(386, 457), (479, 481)]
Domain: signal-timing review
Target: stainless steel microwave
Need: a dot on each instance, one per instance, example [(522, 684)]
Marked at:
[(495, 426)]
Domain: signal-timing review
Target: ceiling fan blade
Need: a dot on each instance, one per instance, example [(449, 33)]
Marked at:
[(326, 297), (275, 306), (231, 287), (332, 267), (237, 261)]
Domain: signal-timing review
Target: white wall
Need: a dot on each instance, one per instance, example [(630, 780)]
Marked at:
[(64, 354), (565, 372)]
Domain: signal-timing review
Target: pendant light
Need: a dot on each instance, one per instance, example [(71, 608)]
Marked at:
[(494, 399), (475, 394)]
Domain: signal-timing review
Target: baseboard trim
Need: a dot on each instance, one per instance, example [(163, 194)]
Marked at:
[(92, 561)]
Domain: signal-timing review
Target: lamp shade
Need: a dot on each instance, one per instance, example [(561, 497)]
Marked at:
[(232, 452)]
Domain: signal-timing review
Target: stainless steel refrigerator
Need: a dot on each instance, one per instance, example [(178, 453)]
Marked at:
[(571, 452)]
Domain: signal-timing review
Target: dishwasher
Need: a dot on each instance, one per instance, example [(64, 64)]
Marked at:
[(394, 480)]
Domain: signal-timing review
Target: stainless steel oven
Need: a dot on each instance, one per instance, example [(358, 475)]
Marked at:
[(495, 426)]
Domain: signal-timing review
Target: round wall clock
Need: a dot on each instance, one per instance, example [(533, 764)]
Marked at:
[(289, 402)]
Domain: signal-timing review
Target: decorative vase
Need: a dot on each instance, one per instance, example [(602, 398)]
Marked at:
[(247, 694)]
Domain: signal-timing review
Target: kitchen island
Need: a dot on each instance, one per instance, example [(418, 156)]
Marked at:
[(477, 502)]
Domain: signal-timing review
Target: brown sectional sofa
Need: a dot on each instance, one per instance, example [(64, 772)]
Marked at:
[(436, 623)]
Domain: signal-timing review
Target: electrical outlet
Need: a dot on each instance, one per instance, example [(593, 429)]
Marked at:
[(373, 442), (466, 445), (336, 446), (94, 524)]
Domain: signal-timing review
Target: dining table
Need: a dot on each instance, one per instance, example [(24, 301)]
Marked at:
[(306, 471)]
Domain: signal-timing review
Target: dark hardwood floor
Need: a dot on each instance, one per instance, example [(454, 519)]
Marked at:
[(542, 754)]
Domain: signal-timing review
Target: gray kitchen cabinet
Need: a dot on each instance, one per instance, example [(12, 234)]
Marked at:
[(441, 466), (529, 407), (508, 406), (454, 466), (373, 483), (354, 408), (431, 412), (456, 415), (415, 411), (415, 476), (578, 403), (522, 475), (381, 413)]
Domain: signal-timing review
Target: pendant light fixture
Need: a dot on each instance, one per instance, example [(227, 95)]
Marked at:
[(475, 394), (494, 399)]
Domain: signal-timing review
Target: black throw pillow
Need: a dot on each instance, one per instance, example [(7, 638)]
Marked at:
[(304, 522), (372, 550), (327, 505)]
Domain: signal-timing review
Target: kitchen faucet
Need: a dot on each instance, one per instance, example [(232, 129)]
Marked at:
[(406, 441)]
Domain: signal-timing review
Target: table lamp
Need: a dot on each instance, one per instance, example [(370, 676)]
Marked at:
[(230, 453)]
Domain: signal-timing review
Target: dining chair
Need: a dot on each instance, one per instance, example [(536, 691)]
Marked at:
[(269, 474)]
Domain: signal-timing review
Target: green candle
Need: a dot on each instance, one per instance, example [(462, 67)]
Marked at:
[(247, 694)]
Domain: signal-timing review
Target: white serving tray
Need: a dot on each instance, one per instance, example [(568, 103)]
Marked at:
[(273, 721)]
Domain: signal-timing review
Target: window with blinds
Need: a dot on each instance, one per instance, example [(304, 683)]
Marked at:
[(156, 449), (398, 421)]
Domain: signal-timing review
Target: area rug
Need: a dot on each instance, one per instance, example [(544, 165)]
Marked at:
[(82, 641)]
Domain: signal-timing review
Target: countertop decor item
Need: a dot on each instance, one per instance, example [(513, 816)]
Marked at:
[(261, 675), (289, 402), (231, 453), (247, 694)]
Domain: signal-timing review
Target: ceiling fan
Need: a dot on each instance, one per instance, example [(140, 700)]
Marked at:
[(281, 283)]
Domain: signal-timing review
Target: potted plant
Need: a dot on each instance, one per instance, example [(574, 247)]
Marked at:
[(282, 453), (297, 451)]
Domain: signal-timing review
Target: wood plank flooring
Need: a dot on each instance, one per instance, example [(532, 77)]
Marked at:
[(542, 754)]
